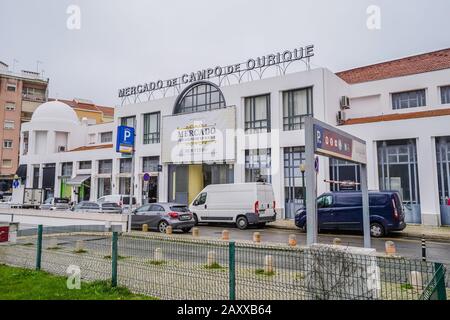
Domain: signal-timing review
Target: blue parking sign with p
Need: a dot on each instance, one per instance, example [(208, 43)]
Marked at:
[(125, 139)]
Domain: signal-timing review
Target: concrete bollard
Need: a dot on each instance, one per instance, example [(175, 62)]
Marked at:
[(225, 235), (337, 241), (415, 279), (52, 243), (169, 230), (268, 264), (195, 232), (158, 254), (79, 245), (256, 237), (107, 226), (211, 258), (292, 240), (145, 227), (13, 228), (390, 248)]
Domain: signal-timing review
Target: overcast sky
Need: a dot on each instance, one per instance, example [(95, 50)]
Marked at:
[(125, 42)]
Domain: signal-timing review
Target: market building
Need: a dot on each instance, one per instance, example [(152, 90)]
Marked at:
[(246, 123)]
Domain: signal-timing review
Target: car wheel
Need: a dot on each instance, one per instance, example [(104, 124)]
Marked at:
[(303, 228), (186, 230), (162, 226), (376, 230), (195, 219), (242, 223)]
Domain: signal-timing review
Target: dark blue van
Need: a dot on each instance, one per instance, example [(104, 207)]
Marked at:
[(343, 211)]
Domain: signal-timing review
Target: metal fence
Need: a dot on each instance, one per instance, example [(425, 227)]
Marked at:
[(184, 267)]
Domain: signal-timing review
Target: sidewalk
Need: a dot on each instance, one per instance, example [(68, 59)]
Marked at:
[(411, 231)]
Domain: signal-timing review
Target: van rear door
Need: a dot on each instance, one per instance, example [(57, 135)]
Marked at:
[(266, 200)]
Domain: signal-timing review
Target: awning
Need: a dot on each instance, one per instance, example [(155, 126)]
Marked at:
[(22, 171), (78, 180)]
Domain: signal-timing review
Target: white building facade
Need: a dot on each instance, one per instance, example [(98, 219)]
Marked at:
[(253, 130)]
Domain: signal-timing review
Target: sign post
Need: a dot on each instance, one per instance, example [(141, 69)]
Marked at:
[(323, 139), (125, 145)]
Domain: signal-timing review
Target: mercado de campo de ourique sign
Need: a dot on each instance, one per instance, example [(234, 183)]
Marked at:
[(272, 59), (199, 137)]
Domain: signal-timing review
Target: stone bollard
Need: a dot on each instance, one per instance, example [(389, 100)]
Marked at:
[(256, 237), (390, 247), (415, 279), (292, 240), (145, 228), (337, 241), (52, 243), (211, 258), (169, 230), (225, 235), (158, 254), (195, 232), (79, 245), (268, 264)]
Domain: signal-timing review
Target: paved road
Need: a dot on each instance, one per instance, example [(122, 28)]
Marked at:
[(436, 250)]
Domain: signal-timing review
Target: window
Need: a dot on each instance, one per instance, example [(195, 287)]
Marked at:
[(25, 142), (294, 190), (124, 185), (7, 163), (105, 166), (125, 165), (10, 106), (91, 138), (66, 169), (201, 199), (257, 114), (11, 87), (128, 121), (106, 137), (7, 144), (443, 170), (104, 187), (151, 127), (201, 96), (398, 171), (8, 124), (85, 165), (150, 164), (445, 94), (324, 201), (297, 104), (341, 170), (257, 165), (408, 99)]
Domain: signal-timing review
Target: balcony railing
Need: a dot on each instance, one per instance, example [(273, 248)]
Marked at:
[(33, 97)]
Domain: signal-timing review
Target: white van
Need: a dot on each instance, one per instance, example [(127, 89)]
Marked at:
[(241, 203), (123, 200)]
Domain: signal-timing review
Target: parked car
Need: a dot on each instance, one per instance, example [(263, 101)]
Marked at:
[(104, 207), (241, 203), (86, 206), (55, 204), (123, 200), (110, 207), (343, 211), (159, 216)]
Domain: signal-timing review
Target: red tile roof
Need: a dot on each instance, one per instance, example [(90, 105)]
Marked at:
[(107, 111), (400, 116), (421, 63), (85, 148)]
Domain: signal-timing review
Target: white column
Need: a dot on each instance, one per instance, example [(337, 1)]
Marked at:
[(428, 184)]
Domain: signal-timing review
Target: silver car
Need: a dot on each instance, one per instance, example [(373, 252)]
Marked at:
[(94, 207), (158, 216), (55, 204)]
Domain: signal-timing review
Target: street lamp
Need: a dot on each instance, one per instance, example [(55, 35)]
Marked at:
[(302, 170)]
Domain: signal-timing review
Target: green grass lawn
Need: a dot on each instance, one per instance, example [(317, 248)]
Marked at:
[(25, 284)]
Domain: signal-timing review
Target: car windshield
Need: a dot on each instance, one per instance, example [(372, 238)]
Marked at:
[(48, 201), (179, 208)]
